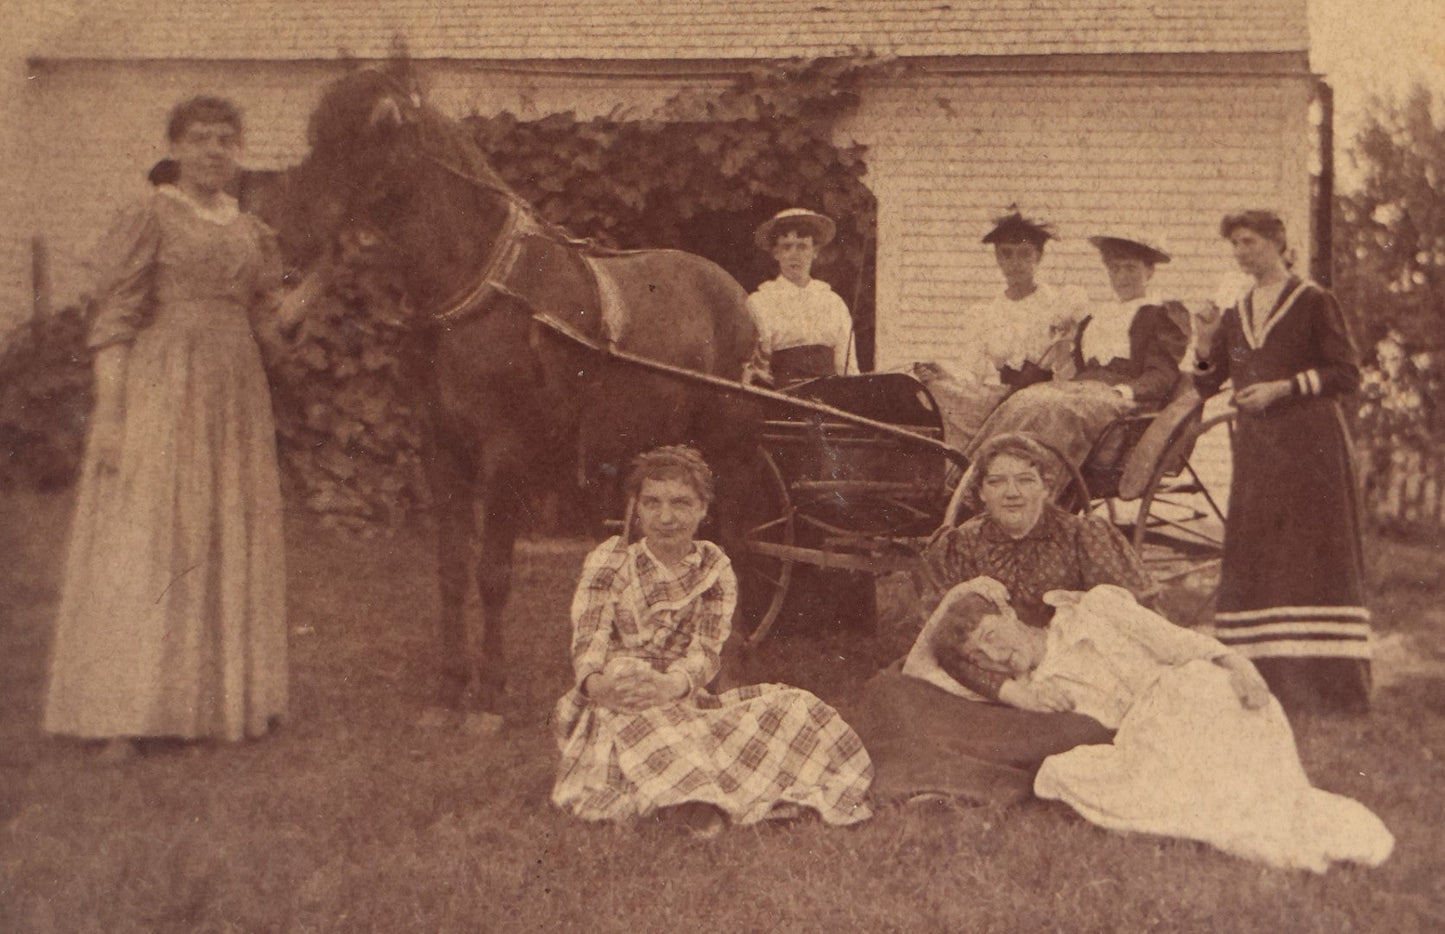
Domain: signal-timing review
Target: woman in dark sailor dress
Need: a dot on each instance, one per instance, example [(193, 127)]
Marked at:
[(1291, 596)]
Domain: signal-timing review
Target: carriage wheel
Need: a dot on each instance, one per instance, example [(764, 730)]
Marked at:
[(763, 576), (1179, 529)]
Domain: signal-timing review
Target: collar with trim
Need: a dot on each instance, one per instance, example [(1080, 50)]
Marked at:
[(223, 212)]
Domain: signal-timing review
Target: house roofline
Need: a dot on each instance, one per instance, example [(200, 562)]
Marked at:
[(1290, 63)]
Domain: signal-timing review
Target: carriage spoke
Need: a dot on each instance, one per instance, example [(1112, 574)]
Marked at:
[(1170, 577), (1197, 535), (763, 575), (1204, 491), (758, 531)]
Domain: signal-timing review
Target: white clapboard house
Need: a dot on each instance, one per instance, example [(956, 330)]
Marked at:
[(1161, 114)]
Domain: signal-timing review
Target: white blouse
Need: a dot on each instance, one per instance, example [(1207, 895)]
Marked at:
[(1107, 335), (791, 316), (1005, 332)]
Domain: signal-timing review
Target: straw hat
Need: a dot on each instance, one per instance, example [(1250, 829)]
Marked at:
[(820, 225), (1133, 245)]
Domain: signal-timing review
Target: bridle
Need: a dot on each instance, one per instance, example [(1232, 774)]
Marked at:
[(521, 219)]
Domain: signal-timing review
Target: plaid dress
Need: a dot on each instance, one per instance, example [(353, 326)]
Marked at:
[(746, 750)]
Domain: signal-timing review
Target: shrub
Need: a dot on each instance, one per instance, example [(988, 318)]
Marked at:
[(45, 400)]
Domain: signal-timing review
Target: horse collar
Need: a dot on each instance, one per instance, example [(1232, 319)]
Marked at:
[(495, 273)]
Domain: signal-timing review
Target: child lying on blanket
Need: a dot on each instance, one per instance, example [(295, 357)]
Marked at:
[(1202, 750)]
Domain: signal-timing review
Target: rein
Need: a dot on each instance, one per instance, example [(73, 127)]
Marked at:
[(520, 221), (506, 248)]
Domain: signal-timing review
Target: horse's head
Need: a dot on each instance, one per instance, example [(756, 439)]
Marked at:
[(400, 190)]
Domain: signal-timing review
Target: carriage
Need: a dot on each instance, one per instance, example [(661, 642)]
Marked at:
[(853, 474), (525, 347)]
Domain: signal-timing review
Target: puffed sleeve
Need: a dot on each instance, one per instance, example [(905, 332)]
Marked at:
[(1338, 372), (1158, 338), (125, 261), (1170, 644), (703, 658), (949, 557), (764, 323), (268, 277), (1212, 366), (594, 607), (1106, 558)]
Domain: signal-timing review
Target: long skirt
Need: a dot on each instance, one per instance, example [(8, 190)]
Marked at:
[(963, 404), (926, 740), (1291, 594), (745, 751), (1190, 761), (172, 612), (1068, 416)]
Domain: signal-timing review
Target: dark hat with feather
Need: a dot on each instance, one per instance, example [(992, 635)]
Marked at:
[(1013, 227)]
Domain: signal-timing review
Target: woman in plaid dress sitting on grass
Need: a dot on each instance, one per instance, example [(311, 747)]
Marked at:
[(640, 732)]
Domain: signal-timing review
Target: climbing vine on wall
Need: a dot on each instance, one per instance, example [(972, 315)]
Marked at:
[(708, 168), (699, 175)]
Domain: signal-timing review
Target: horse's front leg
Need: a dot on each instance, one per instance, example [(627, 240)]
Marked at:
[(501, 516), (451, 482)]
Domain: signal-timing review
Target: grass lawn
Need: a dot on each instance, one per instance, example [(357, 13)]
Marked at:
[(353, 818)]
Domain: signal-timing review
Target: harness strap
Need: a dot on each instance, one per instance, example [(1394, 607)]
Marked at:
[(494, 275)]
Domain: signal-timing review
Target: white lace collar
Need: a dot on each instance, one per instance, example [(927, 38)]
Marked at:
[(223, 212)]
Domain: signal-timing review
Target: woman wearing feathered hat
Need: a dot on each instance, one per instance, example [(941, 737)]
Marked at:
[(1015, 338), (804, 329), (1014, 333), (1125, 358)]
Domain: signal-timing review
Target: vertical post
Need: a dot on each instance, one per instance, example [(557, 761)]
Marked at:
[(1322, 256)]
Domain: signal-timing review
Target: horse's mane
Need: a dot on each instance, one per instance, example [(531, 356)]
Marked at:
[(342, 121)]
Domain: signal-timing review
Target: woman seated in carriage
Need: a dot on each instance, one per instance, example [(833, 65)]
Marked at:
[(639, 731), (1125, 359), (1012, 339), (804, 328)]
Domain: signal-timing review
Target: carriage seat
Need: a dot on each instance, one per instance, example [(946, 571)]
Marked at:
[(896, 398)]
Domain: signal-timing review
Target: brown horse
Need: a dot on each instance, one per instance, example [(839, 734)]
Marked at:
[(412, 204)]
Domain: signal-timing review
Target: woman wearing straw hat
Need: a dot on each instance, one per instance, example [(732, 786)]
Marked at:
[(1125, 359), (804, 329)]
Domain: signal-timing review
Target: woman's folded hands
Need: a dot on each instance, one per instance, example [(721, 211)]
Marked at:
[(633, 685)]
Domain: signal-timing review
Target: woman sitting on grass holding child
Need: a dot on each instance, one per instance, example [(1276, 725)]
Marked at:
[(933, 728), (640, 732)]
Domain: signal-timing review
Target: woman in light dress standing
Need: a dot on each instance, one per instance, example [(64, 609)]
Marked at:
[(172, 619)]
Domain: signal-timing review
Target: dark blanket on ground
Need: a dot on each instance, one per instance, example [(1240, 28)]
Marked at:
[(923, 739)]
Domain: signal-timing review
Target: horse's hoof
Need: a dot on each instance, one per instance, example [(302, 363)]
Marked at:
[(436, 718), (482, 724)]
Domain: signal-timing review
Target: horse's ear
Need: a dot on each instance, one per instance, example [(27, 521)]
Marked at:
[(386, 115)]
